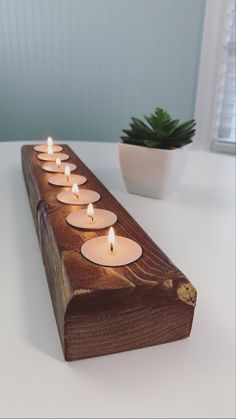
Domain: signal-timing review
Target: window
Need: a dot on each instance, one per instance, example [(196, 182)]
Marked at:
[(215, 103), (225, 109)]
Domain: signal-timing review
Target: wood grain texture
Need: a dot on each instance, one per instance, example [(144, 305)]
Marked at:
[(101, 310)]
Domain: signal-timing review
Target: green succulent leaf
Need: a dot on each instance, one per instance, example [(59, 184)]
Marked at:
[(159, 131)]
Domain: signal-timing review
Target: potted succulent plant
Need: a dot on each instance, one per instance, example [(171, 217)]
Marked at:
[(153, 154)]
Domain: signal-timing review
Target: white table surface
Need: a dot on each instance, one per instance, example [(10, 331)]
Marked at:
[(191, 378)]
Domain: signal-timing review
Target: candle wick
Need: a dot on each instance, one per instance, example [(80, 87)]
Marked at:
[(111, 247)]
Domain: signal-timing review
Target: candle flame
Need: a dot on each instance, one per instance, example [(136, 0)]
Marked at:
[(50, 149), (58, 162), (67, 171), (90, 211), (75, 189), (111, 237), (50, 141)]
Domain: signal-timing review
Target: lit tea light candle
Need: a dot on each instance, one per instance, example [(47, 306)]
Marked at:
[(111, 250), (43, 148), (58, 166), (51, 156), (92, 219), (67, 179), (78, 196)]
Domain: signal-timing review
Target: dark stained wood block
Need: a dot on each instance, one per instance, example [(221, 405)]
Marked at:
[(101, 310)]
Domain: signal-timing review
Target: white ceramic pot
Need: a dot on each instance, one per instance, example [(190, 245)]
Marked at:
[(152, 172)]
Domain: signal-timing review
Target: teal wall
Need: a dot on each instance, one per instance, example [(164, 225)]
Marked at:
[(78, 69)]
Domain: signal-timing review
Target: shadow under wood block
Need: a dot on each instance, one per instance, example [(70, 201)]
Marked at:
[(101, 310)]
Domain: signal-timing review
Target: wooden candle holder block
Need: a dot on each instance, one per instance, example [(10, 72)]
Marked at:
[(101, 310)]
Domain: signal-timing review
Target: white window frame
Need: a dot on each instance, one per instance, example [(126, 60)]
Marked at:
[(214, 24)]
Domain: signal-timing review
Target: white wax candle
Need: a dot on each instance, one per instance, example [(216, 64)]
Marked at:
[(83, 219), (67, 179), (111, 250), (53, 156), (54, 168), (85, 197)]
